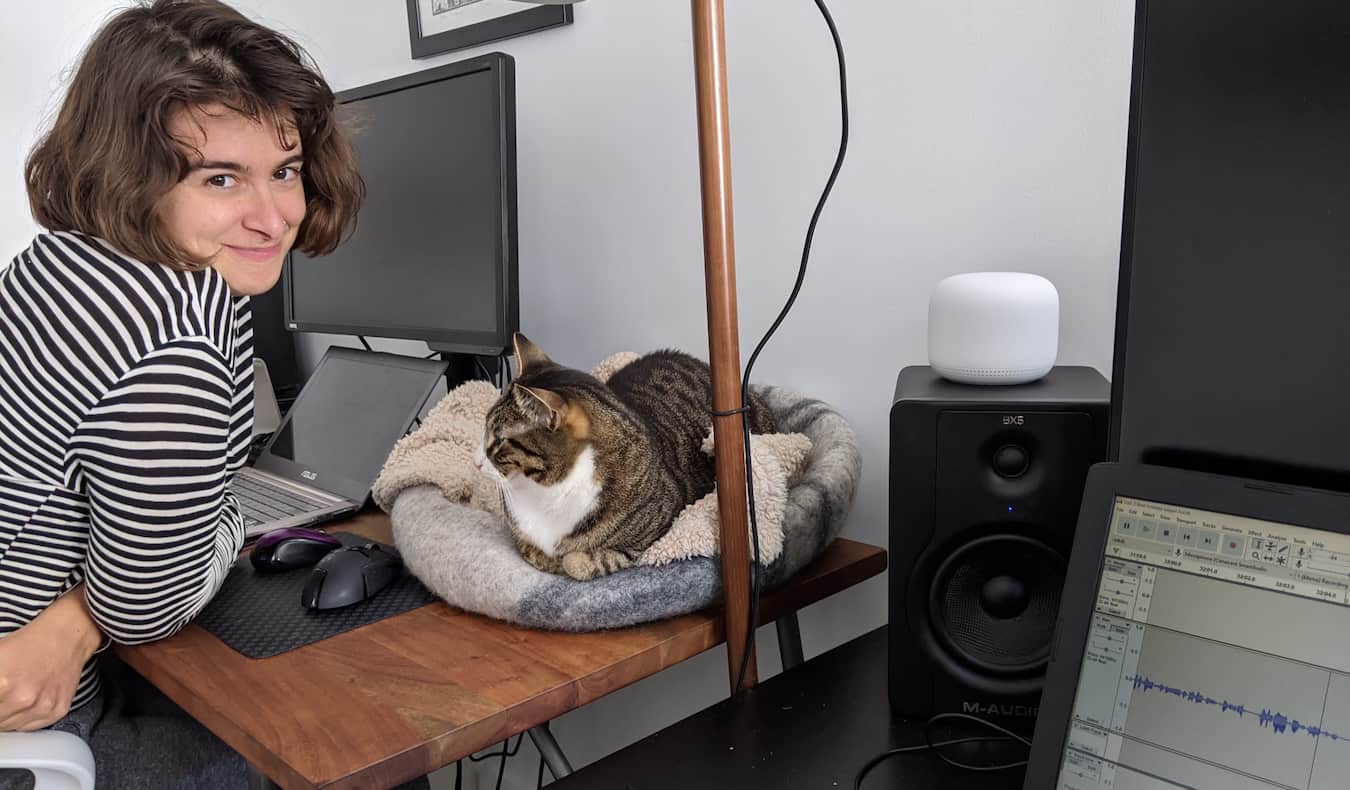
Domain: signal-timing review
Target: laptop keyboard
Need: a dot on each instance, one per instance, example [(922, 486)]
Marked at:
[(262, 501)]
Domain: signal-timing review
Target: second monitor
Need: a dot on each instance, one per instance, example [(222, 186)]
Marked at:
[(433, 257)]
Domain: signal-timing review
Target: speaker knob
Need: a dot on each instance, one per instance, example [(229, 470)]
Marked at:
[(1003, 597), (1011, 460)]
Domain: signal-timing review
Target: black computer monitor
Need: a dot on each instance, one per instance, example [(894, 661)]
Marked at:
[(433, 256), (1234, 300), (275, 345)]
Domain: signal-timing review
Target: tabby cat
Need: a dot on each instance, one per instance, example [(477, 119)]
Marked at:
[(593, 473)]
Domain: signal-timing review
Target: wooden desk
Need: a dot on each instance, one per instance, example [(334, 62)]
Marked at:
[(402, 697)]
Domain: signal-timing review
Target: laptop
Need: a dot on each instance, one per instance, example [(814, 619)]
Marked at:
[(327, 451), (266, 410), (1204, 638)]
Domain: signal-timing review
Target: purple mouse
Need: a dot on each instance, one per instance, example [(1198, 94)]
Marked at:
[(291, 548)]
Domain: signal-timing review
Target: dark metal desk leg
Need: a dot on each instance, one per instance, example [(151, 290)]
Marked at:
[(257, 780), (550, 751), (789, 640)]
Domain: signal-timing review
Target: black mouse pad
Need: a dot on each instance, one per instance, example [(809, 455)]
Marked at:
[(260, 615)]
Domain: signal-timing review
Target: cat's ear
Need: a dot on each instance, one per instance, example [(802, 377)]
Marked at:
[(548, 407), (528, 356)]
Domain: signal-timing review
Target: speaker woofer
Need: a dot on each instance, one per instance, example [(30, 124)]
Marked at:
[(993, 603)]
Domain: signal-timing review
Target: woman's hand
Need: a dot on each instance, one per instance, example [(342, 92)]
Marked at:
[(40, 663)]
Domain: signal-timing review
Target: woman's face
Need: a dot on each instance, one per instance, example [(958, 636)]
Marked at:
[(241, 205)]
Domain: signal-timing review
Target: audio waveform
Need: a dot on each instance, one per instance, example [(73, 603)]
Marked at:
[(1278, 722)]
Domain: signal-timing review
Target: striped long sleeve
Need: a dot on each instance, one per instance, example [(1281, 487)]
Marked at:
[(126, 404), (152, 457)]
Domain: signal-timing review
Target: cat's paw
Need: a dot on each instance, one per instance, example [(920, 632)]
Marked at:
[(538, 559), (580, 566), (586, 565)]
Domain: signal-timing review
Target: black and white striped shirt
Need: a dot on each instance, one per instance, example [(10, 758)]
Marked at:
[(126, 403)]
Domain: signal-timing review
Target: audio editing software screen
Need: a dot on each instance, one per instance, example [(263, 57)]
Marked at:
[(1218, 656)]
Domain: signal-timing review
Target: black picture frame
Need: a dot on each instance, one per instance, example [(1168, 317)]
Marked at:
[(527, 20)]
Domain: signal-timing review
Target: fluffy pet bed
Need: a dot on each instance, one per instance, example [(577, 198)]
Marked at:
[(448, 524)]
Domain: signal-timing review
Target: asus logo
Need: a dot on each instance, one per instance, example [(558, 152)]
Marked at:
[(308, 475), (999, 709), (1013, 419)]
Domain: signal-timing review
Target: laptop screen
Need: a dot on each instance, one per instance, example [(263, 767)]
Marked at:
[(1218, 656), (347, 418)]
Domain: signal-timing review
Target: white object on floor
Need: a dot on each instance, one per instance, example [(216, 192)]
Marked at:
[(59, 760)]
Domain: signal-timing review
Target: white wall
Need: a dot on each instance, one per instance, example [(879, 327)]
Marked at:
[(38, 44), (985, 135)]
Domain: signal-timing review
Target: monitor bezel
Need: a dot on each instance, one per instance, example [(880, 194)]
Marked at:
[(1328, 511), (1118, 448), (502, 67), (1116, 416)]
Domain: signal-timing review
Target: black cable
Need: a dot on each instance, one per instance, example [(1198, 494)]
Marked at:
[(792, 298), (506, 751), (928, 738), (886, 755), (459, 775), (937, 747), (539, 780), (364, 342)]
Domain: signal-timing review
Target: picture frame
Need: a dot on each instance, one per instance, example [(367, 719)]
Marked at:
[(438, 26)]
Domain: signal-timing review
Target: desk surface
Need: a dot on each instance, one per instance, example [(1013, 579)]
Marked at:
[(402, 697), (812, 726)]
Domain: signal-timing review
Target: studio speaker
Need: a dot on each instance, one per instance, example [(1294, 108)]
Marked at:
[(985, 484)]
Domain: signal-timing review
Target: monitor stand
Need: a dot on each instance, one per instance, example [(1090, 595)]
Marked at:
[(473, 367)]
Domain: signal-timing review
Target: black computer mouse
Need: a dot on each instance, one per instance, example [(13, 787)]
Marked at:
[(290, 548), (350, 575)]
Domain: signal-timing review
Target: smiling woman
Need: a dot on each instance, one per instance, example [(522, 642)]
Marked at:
[(241, 204), (193, 151)]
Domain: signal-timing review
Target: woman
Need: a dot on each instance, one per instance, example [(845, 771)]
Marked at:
[(194, 149)]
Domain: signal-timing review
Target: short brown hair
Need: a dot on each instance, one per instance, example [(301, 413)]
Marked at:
[(109, 158)]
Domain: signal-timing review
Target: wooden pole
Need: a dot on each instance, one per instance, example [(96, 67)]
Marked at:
[(719, 272)]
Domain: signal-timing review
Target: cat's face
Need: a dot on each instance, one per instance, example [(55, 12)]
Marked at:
[(536, 431), (525, 438)]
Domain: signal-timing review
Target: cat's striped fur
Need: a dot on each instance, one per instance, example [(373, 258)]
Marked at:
[(593, 473)]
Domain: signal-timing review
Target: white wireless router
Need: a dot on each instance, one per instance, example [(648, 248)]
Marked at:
[(993, 327)]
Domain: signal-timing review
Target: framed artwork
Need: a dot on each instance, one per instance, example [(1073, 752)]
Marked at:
[(436, 26)]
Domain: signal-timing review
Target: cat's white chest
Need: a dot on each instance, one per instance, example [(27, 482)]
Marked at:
[(547, 514)]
